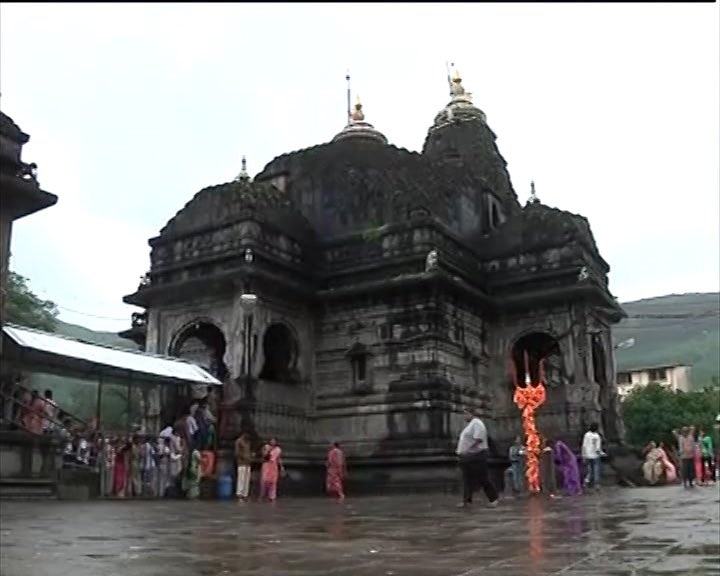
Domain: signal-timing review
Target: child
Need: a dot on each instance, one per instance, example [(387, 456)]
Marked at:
[(516, 454)]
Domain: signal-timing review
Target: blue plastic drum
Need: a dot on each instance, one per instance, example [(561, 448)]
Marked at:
[(225, 487)]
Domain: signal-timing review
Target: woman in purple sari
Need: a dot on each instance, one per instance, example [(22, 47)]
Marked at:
[(567, 463)]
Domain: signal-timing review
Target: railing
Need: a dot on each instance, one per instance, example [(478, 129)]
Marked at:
[(21, 408)]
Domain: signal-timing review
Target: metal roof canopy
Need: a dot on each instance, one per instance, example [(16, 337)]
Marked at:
[(83, 356)]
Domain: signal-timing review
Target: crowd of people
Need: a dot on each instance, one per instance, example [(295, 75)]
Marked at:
[(558, 467), (173, 463), (693, 460)]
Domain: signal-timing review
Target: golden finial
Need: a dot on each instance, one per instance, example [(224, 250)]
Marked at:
[(357, 115), (456, 88)]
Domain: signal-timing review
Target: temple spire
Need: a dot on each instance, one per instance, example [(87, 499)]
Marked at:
[(243, 176), (349, 97), (449, 79), (533, 197)]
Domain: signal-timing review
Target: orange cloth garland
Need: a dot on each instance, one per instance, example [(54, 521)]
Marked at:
[(528, 399)]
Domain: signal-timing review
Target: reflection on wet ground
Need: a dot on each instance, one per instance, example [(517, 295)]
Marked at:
[(641, 532)]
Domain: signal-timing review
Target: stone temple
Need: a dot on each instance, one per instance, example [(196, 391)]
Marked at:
[(360, 292)]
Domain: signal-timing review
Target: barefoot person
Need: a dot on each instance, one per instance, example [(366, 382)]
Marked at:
[(686, 445), (472, 451), (243, 458), (336, 472), (548, 478), (270, 471)]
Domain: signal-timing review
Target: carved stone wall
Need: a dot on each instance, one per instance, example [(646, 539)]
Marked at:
[(426, 356)]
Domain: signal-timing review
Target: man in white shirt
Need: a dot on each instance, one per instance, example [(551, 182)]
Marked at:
[(591, 453), (472, 451)]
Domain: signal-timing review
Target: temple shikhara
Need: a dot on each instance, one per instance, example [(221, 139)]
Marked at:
[(359, 292)]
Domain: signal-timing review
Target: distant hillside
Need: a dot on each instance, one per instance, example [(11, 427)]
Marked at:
[(681, 328), (82, 333)]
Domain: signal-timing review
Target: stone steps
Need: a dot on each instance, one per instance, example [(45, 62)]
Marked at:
[(27, 489)]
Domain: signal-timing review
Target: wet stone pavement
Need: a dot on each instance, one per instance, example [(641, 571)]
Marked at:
[(642, 532)]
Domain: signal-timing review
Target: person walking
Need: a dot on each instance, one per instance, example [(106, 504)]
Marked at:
[(706, 449), (591, 454), (686, 445), (472, 452), (243, 460), (336, 472)]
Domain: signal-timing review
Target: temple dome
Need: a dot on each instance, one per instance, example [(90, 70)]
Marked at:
[(224, 204), (459, 109), (358, 127)]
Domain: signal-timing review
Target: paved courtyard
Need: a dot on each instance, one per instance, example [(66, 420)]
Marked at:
[(641, 532)]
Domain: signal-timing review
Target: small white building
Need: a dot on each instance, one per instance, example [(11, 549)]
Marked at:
[(673, 376)]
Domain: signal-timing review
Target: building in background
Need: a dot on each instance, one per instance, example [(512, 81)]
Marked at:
[(677, 377), (20, 194)]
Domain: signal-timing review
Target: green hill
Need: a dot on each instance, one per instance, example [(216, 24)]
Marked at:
[(679, 328), (82, 333)]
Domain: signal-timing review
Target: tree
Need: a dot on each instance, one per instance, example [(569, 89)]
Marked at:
[(24, 308), (654, 411)]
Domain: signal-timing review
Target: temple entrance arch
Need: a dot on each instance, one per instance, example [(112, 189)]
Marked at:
[(537, 346), (280, 352), (203, 343)]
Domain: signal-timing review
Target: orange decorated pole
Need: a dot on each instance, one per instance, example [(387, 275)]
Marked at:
[(528, 398)]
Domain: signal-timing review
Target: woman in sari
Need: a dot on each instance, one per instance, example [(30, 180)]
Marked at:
[(120, 470), (163, 466), (568, 466), (177, 451), (336, 472), (657, 467), (107, 458), (548, 480), (697, 458), (134, 469), (652, 467), (270, 471), (33, 418), (670, 469), (191, 478)]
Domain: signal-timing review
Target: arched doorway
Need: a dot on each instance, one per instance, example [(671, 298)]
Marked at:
[(280, 350), (537, 346), (204, 344)]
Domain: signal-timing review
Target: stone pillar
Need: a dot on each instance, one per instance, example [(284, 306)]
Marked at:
[(152, 338), (5, 236)]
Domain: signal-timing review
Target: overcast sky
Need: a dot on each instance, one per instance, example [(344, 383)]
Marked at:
[(613, 110)]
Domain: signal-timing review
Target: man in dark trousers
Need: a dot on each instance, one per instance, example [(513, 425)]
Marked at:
[(472, 451)]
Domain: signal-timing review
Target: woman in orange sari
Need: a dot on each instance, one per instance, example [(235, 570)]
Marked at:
[(336, 472), (270, 471)]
